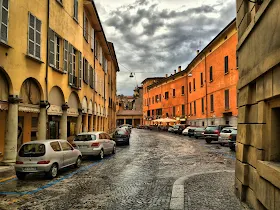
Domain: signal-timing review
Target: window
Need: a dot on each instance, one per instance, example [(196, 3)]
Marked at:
[(226, 99), (183, 90), (211, 73), (212, 123), (75, 71), (76, 10), (174, 92), (91, 82), (183, 110), (86, 70), (212, 103), (55, 47), (190, 87), (201, 79), (85, 26), (96, 51), (190, 108), (202, 105), (203, 123), (34, 37), (4, 18), (174, 110), (153, 112), (153, 100), (159, 97), (32, 150), (65, 60), (55, 146), (92, 39), (226, 64), (65, 146), (156, 99), (194, 107), (193, 84), (166, 95), (167, 115)]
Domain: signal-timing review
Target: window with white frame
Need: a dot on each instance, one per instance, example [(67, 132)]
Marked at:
[(34, 37), (4, 19)]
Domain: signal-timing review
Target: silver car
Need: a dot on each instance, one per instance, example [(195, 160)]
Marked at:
[(46, 156), (95, 143), (224, 135)]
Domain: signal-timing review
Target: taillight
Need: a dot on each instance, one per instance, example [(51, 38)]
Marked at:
[(44, 162), (95, 144), (230, 137), (202, 133), (217, 132), (19, 162)]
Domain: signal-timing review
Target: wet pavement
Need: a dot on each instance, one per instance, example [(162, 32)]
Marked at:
[(139, 176)]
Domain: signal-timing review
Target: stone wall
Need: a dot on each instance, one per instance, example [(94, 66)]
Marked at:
[(258, 141)]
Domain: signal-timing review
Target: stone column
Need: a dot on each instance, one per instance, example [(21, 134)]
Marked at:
[(42, 122), (124, 122), (79, 123), (85, 122), (11, 132), (90, 118), (96, 123), (63, 122)]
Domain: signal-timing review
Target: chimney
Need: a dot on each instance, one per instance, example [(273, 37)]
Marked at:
[(174, 71), (197, 52), (179, 68), (166, 75)]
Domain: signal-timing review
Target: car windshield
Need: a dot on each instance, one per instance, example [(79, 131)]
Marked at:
[(211, 128), (199, 129), (85, 138), (120, 132), (234, 131), (227, 130), (32, 150)]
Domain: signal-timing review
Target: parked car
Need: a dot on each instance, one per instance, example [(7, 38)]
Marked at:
[(178, 129), (171, 129), (189, 131), (121, 136), (95, 144), (199, 132), (46, 156), (224, 135), (126, 125), (212, 132), (232, 140)]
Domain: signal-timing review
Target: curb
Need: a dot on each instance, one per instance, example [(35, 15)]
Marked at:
[(177, 201)]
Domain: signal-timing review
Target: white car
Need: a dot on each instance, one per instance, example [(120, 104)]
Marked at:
[(95, 144), (224, 135)]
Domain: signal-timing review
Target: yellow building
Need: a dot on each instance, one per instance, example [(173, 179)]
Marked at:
[(57, 72)]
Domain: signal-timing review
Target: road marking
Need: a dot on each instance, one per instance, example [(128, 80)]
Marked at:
[(6, 179)]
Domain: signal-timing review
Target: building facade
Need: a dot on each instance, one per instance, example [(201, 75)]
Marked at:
[(258, 150), (57, 72), (202, 94)]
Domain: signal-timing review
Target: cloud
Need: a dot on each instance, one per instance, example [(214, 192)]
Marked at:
[(153, 40)]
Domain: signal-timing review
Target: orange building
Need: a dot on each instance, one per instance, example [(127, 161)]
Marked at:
[(202, 94)]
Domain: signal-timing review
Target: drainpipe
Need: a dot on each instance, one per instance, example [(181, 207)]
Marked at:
[(206, 98), (47, 53)]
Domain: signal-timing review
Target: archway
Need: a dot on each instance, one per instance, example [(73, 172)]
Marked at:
[(73, 123)]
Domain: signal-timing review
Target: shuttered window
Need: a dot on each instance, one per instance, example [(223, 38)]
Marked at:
[(100, 55), (191, 108), (91, 77), (212, 103), (70, 72), (76, 10), (226, 64), (201, 79), (193, 84), (190, 86), (86, 71), (55, 47), (52, 47), (202, 105), (4, 19), (183, 90), (174, 110), (211, 73), (194, 107), (85, 26), (226, 99), (94, 79), (96, 49), (183, 110), (34, 37), (80, 70), (92, 39), (65, 55)]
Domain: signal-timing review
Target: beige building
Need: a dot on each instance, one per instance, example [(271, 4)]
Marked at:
[(258, 147), (57, 72)]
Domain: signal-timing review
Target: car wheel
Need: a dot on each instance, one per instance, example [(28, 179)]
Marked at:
[(101, 154), (114, 150), (20, 175), (196, 137), (127, 142), (52, 173), (78, 162), (208, 141)]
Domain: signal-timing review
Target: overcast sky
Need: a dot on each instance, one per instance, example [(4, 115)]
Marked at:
[(154, 37)]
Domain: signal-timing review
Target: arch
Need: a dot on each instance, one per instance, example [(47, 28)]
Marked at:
[(56, 96), (4, 86), (31, 92), (84, 105), (90, 108), (74, 100)]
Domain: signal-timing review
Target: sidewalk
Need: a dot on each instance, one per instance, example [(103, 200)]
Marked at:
[(6, 173), (211, 190)]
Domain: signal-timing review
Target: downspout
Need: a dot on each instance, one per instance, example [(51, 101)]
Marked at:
[(47, 53)]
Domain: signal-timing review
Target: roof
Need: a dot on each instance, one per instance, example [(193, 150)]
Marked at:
[(111, 45), (151, 78), (44, 141), (129, 112)]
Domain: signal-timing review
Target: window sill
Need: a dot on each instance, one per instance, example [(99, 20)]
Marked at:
[(34, 59), (76, 88), (75, 20), (182, 94), (227, 73), (60, 3), (58, 70), (211, 111), (5, 45), (270, 171)]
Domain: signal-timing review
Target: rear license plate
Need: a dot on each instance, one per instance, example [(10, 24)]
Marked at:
[(29, 169), (83, 146)]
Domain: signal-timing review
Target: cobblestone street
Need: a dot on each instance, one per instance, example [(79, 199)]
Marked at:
[(139, 176)]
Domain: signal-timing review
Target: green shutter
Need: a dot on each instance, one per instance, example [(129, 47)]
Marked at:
[(52, 46), (70, 71), (66, 55), (80, 69)]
